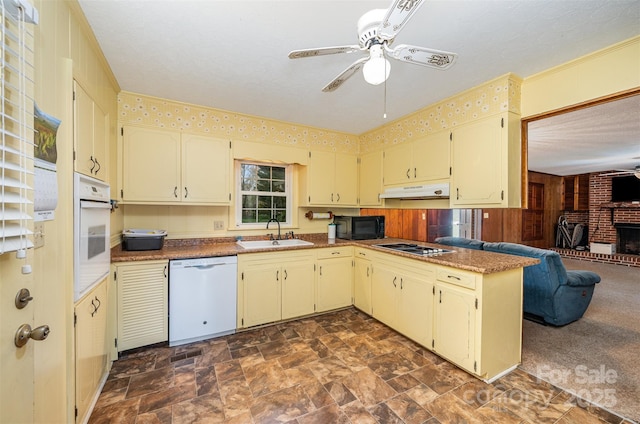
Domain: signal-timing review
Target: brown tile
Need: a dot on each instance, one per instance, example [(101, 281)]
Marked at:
[(236, 397), (318, 394), (422, 394), (319, 348), (297, 358), (228, 370), (384, 414), (357, 413), (449, 408), (206, 381), (477, 393), (116, 384), (329, 369), (275, 349), (530, 385), (438, 377), (247, 339), (308, 329), (213, 354), (289, 333), (166, 397), (368, 388), (203, 409), (111, 396), (130, 366), (284, 405), (185, 375), (530, 407), (328, 414), (332, 341), (242, 418), (159, 416), (124, 412), (352, 359), (265, 377), (149, 382), (339, 393), (403, 383), (300, 375), (391, 365), (408, 409)]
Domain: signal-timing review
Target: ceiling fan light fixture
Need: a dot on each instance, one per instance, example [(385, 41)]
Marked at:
[(377, 69)]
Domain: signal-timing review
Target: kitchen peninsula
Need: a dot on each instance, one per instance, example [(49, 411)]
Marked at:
[(465, 305)]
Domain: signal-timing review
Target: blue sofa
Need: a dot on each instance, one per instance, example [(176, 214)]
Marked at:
[(551, 294)]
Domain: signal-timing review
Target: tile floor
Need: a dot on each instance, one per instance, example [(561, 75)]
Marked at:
[(340, 367)]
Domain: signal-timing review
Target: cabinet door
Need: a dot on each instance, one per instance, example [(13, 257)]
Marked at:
[(478, 163), (83, 131), (100, 143), (431, 157), (298, 297), (151, 165), (321, 179), (362, 285), (334, 287), (383, 294), (415, 309), (397, 164), (262, 299), (90, 346), (142, 304), (205, 169), (346, 180), (370, 179), (455, 324)]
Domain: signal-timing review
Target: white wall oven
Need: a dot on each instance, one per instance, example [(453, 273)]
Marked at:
[(91, 233)]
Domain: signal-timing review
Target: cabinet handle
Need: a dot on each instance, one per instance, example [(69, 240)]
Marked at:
[(175, 192), (95, 308), (186, 192), (332, 197), (401, 280), (93, 164), (408, 170), (278, 275), (335, 253), (415, 173), (362, 254), (394, 281), (99, 303), (285, 274), (165, 271), (454, 277), (367, 271), (321, 270), (440, 300), (457, 194), (338, 194), (98, 164)]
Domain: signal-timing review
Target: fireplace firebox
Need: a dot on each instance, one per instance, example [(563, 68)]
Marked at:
[(628, 239)]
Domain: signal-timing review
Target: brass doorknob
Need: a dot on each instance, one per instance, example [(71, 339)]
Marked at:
[(25, 333)]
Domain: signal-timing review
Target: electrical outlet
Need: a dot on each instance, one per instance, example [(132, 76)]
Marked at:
[(38, 234), (218, 225)]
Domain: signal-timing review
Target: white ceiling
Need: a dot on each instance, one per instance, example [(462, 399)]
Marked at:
[(232, 54)]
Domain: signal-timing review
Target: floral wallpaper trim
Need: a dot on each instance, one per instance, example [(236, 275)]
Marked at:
[(137, 109), (496, 96)]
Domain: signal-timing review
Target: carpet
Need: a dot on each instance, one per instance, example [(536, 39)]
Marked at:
[(597, 357)]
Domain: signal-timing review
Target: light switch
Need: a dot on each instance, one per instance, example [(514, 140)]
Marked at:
[(485, 215), (218, 225)]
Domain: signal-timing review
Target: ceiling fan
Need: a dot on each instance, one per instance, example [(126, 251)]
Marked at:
[(376, 31), (635, 171)]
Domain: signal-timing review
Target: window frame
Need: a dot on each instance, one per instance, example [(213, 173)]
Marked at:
[(288, 193)]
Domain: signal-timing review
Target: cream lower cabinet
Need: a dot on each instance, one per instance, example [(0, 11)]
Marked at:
[(334, 286), (142, 292), (275, 286), (91, 348), (402, 296), (478, 320), (362, 272)]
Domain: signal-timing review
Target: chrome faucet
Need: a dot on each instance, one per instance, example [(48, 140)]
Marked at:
[(277, 222)]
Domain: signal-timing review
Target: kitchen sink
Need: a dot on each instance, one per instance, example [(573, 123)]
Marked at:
[(270, 244)]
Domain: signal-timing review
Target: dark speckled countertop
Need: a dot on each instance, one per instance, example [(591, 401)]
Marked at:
[(468, 259)]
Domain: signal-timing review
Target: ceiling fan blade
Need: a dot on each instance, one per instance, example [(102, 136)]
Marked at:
[(397, 16), (422, 56), (297, 54), (345, 75), (608, 174)]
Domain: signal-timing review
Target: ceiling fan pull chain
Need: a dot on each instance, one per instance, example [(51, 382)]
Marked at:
[(384, 113)]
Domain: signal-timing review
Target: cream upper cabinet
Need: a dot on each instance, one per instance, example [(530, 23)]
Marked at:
[(164, 166), (330, 179), (90, 346), (487, 163), (275, 286), (142, 292), (362, 272), (370, 178), (90, 136), (334, 285), (418, 161)]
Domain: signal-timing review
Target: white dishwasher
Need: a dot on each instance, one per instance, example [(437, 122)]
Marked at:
[(202, 298)]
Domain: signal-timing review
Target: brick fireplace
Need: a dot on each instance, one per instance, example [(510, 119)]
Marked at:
[(606, 222)]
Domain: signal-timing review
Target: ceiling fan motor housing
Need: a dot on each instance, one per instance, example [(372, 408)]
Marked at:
[(368, 27)]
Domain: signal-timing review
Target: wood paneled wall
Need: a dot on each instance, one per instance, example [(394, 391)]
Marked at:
[(414, 224)]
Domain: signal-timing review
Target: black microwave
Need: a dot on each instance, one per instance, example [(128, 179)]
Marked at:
[(359, 227)]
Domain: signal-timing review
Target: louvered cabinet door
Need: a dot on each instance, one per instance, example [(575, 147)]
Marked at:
[(142, 303)]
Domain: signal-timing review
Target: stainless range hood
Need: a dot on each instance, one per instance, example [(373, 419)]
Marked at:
[(425, 191)]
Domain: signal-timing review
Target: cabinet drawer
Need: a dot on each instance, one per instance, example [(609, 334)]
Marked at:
[(359, 252), (457, 277), (335, 252)]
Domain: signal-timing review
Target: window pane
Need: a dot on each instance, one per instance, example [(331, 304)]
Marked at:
[(264, 172), (249, 201), (278, 187), (264, 202), (248, 184), (279, 202), (278, 173), (264, 215), (248, 216), (281, 215), (263, 185)]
